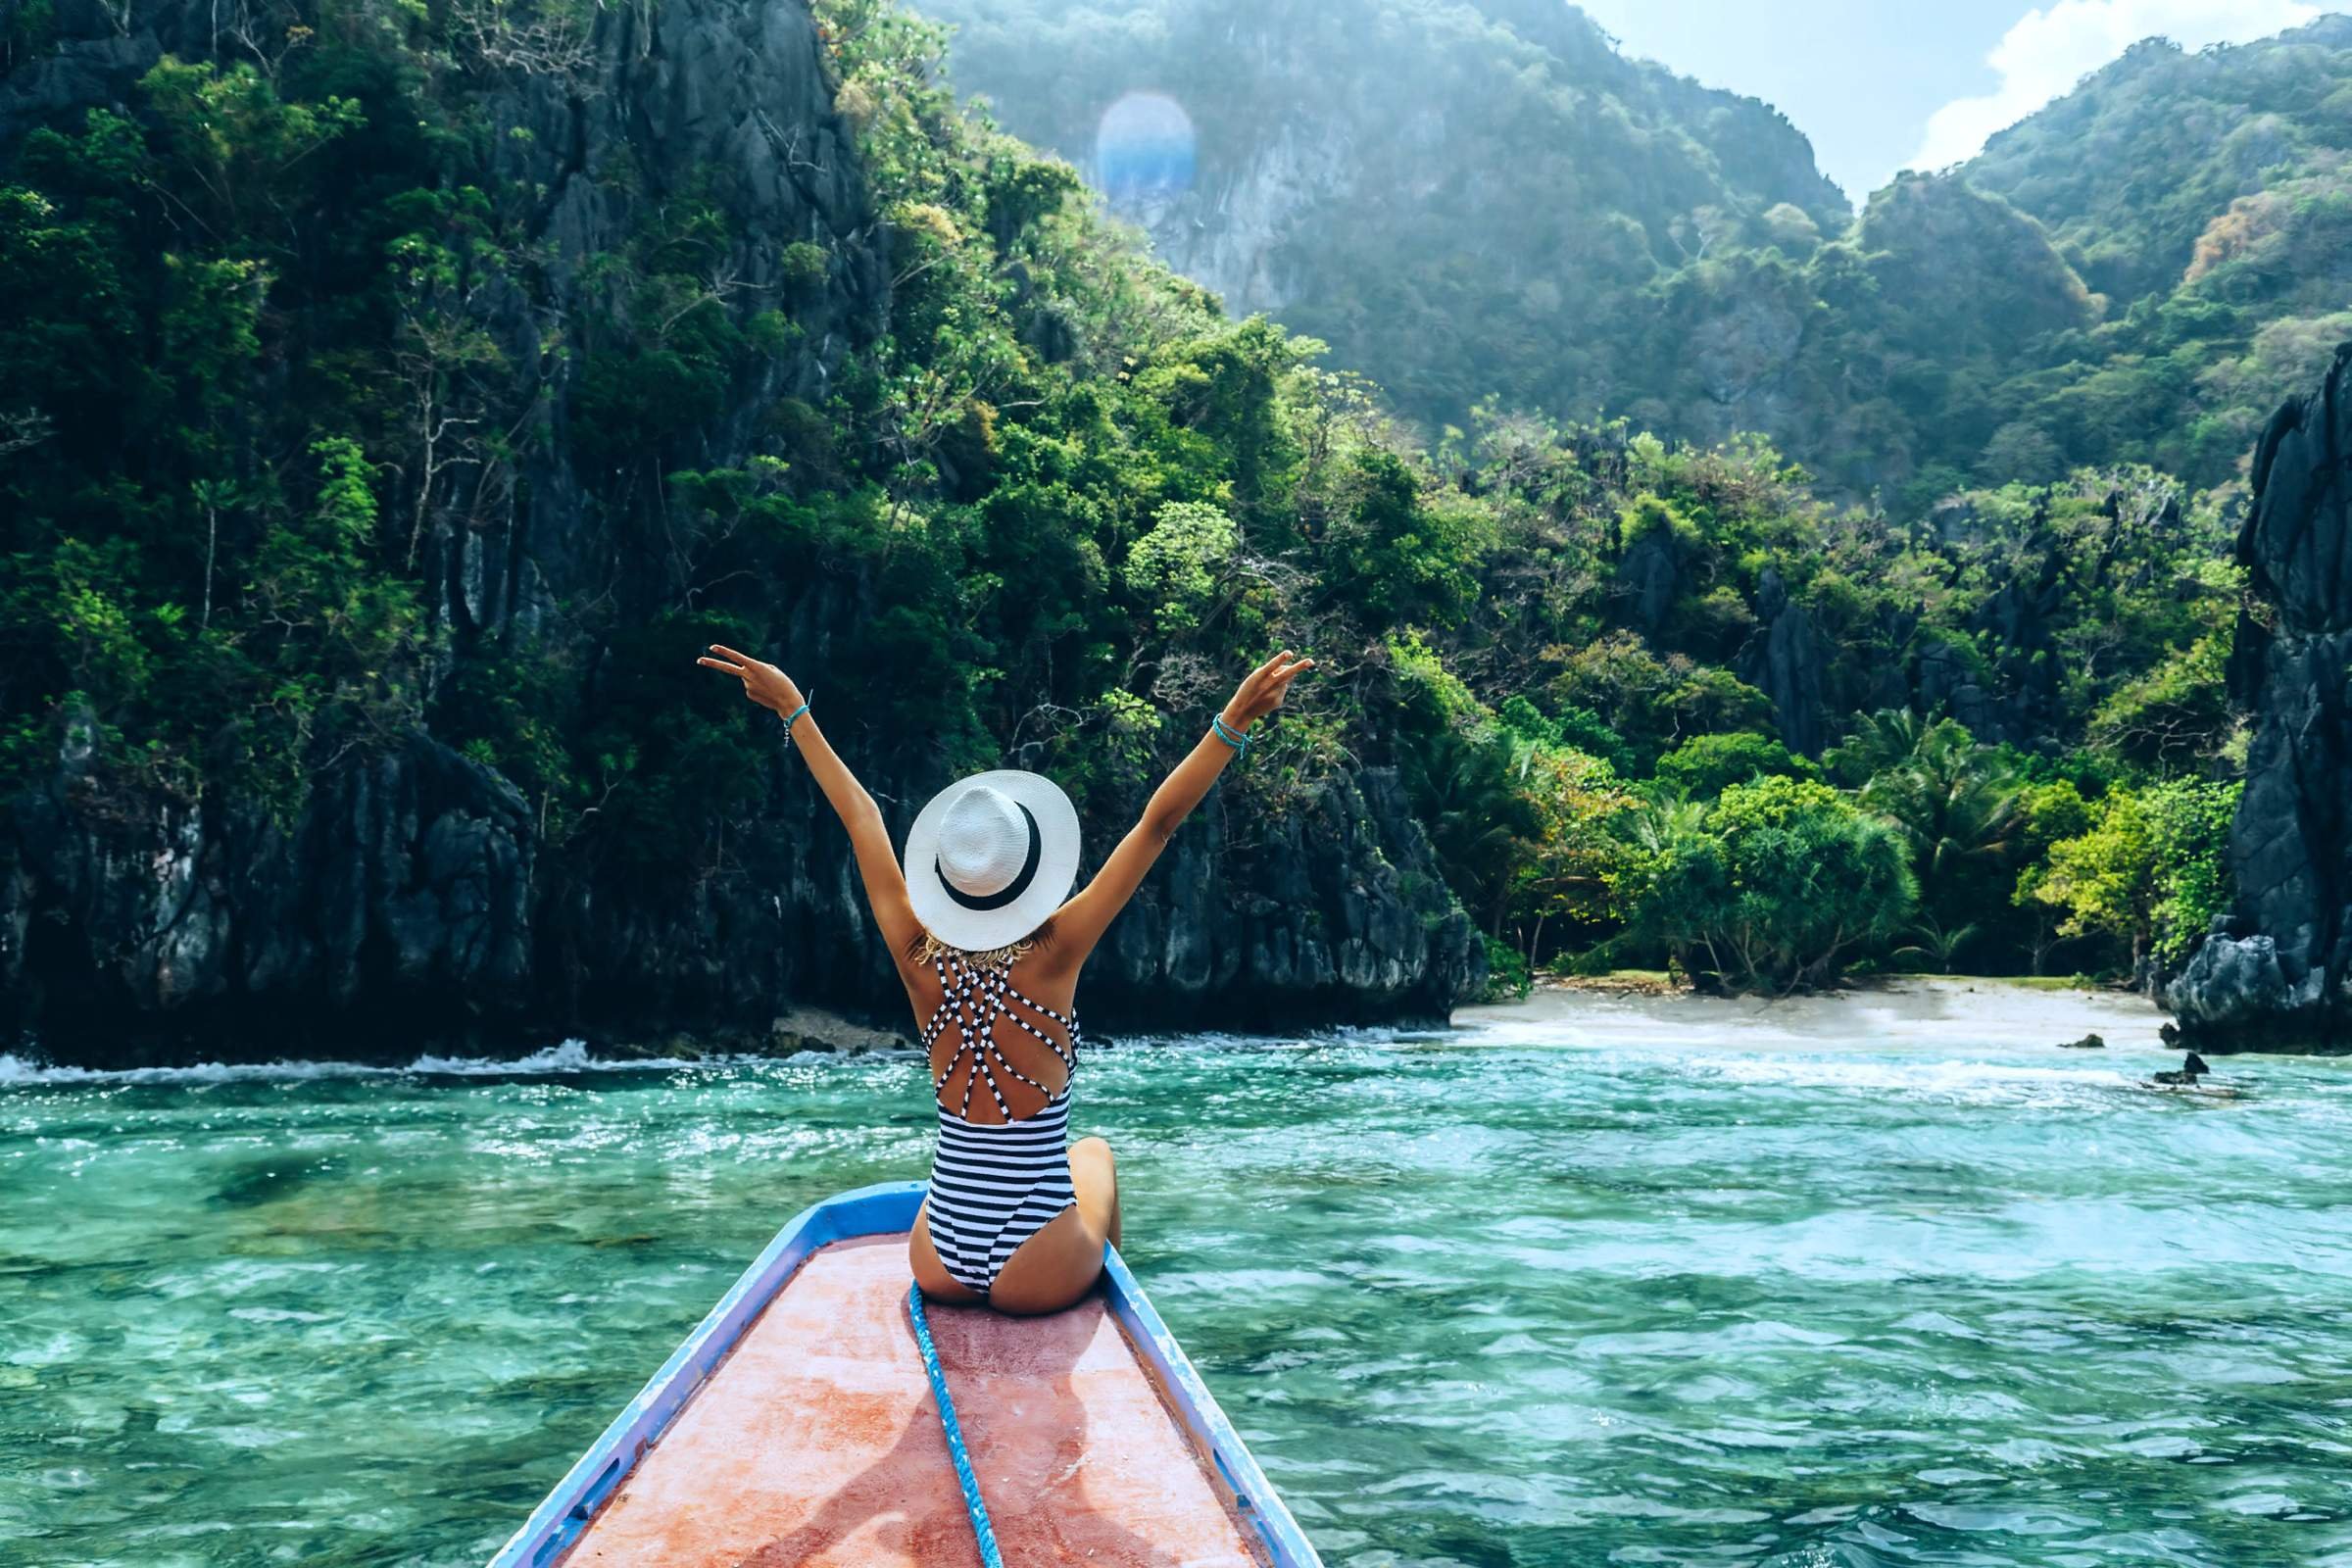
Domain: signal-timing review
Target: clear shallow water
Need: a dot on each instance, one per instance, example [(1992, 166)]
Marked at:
[(1608, 1285)]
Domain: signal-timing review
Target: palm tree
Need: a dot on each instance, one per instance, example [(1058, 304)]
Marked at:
[(1878, 742), (1467, 795), (1954, 801), (1939, 942), (1664, 820)]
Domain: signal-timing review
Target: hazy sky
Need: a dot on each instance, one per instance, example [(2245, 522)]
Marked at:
[(1886, 85)]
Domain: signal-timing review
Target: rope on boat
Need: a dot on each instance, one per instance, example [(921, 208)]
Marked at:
[(970, 1482)]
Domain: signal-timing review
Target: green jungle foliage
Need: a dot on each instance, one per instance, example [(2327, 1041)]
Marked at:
[(1653, 702), (1483, 199)]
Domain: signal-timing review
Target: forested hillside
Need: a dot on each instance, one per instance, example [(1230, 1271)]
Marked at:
[(1484, 198), (397, 401), (2220, 126), (1463, 199)]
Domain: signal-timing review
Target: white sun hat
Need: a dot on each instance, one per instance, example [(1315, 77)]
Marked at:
[(990, 857)]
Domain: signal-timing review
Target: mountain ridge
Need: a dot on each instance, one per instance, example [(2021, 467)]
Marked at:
[(2198, 308)]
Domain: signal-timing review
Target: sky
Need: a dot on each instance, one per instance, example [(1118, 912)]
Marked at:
[(1882, 86)]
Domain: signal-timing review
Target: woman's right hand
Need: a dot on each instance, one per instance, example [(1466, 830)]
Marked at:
[(1263, 688), (763, 684)]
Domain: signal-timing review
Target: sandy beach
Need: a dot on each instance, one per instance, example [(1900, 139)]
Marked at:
[(1926, 1009)]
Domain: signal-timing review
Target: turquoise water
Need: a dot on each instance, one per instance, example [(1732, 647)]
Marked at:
[(1596, 1286)]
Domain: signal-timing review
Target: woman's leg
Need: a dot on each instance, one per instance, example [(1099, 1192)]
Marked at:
[(1096, 1175), (1062, 1262)]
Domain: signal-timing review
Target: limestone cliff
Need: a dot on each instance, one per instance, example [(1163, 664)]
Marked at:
[(414, 899), (2274, 974)]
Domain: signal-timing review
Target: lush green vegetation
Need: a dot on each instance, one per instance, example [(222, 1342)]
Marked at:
[(1465, 200), (1638, 801), (2138, 273), (1654, 702), (2227, 124)]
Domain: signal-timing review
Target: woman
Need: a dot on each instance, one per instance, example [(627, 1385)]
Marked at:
[(989, 951)]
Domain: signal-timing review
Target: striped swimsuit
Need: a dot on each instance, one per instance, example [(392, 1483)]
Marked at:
[(993, 1186)]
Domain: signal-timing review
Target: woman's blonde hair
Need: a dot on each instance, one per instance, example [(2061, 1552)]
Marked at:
[(928, 949)]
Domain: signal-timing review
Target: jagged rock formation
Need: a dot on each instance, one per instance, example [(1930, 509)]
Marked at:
[(1787, 664), (2274, 974), (412, 901), (405, 890), (2014, 694)]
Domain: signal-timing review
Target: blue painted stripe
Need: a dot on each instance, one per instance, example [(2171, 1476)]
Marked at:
[(973, 1504)]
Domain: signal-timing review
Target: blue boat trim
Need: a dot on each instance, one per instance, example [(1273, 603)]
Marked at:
[(887, 1206), (1233, 1468)]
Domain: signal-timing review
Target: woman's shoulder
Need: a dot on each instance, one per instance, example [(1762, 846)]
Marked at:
[(1038, 976)]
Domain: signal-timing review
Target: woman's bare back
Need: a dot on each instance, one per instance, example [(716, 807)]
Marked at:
[(1025, 1008)]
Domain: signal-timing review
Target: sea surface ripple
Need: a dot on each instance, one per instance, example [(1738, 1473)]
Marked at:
[(1594, 1282)]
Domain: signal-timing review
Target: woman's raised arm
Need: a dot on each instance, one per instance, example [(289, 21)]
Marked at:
[(1079, 924), (869, 835)]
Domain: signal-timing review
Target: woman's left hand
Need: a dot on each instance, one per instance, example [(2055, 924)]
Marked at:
[(1263, 688), (763, 684)]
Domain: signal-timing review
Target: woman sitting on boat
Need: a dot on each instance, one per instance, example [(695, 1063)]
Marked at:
[(989, 943)]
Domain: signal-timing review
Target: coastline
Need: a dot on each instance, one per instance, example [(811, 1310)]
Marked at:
[(1636, 1003), (1918, 1008)]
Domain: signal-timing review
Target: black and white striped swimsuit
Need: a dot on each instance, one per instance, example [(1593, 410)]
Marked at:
[(993, 1186)]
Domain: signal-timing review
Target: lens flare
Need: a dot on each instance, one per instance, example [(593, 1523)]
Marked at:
[(1144, 148)]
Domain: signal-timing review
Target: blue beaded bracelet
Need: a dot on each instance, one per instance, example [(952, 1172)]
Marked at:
[(796, 713), (1228, 734)]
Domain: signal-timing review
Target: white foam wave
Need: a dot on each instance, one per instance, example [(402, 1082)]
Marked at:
[(1344, 1035), (1948, 1079), (567, 1057), (572, 1056)]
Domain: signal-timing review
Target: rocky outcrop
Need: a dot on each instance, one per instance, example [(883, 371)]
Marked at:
[(410, 904), (1334, 912), (398, 907), (411, 899), (1652, 577), (2004, 686), (2274, 975), (1788, 663), (2018, 623)]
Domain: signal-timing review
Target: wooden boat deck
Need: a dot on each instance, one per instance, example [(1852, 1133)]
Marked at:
[(817, 1441)]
